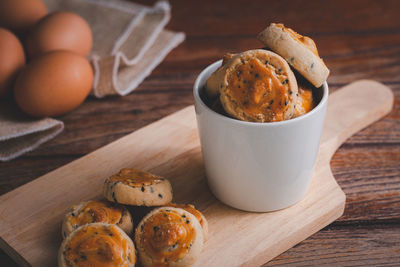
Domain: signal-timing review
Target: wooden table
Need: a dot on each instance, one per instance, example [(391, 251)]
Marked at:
[(357, 39)]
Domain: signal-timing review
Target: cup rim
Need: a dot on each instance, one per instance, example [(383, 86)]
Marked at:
[(218, 63)]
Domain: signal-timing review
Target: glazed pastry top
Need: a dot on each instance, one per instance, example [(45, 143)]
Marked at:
[(167, 236), (98, 246), (259, 87), (134, 177), (190, 208), (97, 211)]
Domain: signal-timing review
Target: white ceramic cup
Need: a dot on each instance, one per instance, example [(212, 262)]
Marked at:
[(258, 166)]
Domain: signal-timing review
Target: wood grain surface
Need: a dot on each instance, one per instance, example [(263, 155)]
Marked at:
[(30, 215), (357, 38)]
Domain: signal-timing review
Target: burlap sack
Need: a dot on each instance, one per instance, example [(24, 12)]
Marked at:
[(20, 134), (129, 41)]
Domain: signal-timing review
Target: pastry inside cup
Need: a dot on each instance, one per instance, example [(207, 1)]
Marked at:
[(256, 85)]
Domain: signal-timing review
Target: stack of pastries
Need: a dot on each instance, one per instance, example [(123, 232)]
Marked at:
[(269, 85), (98, 232)]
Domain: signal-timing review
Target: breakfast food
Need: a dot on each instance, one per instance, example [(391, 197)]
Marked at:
[(169, 237), (53, 84), (260, 86), (97, 211), (20, 15), (214, 81), (97, 244), (12, 59), (94, 235), (138, 188), (199, 216), (60, 31), (305, 99), (257, 85), (300, 51)]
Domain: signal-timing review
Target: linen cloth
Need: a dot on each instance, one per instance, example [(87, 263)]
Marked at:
[(129, 41)]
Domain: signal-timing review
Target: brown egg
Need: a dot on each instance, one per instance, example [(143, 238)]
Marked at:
[(53, 84), (20, 15), (60, 31), (12, 59)]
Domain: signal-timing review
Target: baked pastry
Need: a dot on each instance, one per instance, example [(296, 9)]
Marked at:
[(199, 216), (300, 51), (169, 237), (97, 211), (213, 82), (97, 244), (257, 85), (306, 100), (138, 188)]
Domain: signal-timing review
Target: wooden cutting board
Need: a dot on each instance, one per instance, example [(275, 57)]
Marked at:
[(30, 216)]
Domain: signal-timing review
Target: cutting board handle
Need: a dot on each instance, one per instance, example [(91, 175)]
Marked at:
[(351, 109)]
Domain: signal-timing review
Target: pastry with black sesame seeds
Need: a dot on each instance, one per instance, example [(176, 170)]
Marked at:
[(257, 86), (213, 82), (308, 96), (169, 236), (199, 216), (137, 188), (97, 211), (299, 51), (97, 244)]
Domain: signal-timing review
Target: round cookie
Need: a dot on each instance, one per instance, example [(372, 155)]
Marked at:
[(97, 211), (137, 188), (97, 244), (169, 237), (258, 86), (300, 51), (199, 216)]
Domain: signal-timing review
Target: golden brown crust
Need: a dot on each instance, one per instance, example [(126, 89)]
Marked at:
[(97, 244), (213, 82), (259, 86), (306, 100), (138, 188), (169, 236), (97, 211), (299, 51), (199, 216)]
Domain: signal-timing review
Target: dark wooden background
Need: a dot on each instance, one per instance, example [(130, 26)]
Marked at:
[(358, 39)]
